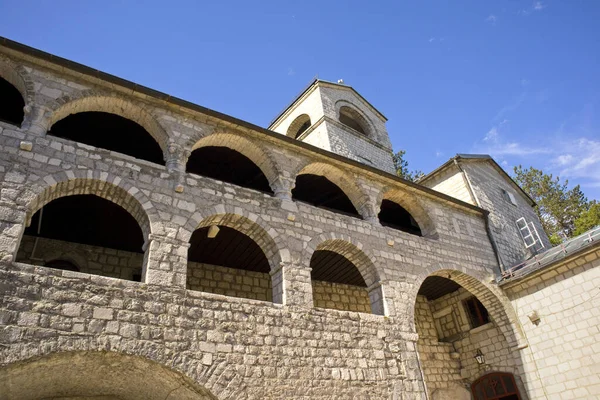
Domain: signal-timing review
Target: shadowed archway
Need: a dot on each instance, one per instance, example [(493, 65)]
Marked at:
[(96, 375), (110, 132), (456, 315), (227, 165), (11, 103)]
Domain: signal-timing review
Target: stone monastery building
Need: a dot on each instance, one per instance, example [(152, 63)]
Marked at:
[(152, 249)]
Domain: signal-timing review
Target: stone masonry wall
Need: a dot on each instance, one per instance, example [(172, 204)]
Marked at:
[(564, 346), (236, 348), (90, 259), (487, 184), (352, 144), (201, 277), (338, 296), (229, 281), (440, 368)]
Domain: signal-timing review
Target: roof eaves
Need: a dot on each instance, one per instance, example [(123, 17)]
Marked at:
[(483, 157), (85, 70)]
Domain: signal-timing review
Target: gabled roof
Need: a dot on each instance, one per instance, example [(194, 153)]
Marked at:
[(478, 157), (315, 82)]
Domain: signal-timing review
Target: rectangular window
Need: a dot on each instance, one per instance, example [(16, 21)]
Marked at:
[(529, 234), (477, 313)]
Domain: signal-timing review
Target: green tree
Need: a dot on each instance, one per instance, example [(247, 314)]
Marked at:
[(557, 206), (402, 170), (588, 219)]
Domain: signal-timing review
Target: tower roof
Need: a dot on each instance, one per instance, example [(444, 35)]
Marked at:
[(316, 82)]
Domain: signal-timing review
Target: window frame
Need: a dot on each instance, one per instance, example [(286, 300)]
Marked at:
[(481, 315)]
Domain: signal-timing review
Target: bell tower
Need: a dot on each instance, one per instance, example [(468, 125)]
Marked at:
[(336, 118)]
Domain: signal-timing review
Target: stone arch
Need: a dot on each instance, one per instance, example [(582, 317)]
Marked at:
[(18, 76), (344, 181), (410, 203), (299, 126), (101, 184), (492, 298), (90, 100), (354, 251), (518, 379), (74, 257), (363, 260), (259, 156), (186, 377), (75, 374), (251, 225), (344, 106)]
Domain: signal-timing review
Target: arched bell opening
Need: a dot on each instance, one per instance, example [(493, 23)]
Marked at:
[(393, 215), (222, 260), (321, 192), (352, 119), (110, 132), (105, 235), (228, 165), (299, 126), (11, 104)]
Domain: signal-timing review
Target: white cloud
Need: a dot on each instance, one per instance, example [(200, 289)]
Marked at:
[(538, 6), (291, 71), (564, 159), (577, 160), (582, 161), (491, 136), (491, 19), (438, 153), (516, 149), (432, 39)]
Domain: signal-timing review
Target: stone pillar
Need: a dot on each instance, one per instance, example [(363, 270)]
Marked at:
[(377, 298), (12, 225), (282, 187), (175, 160), (369, 212), (165, 261), (292, 285), (36, 120), (404, 365)]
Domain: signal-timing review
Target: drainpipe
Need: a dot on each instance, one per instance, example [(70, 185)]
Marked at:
[(486, 218)]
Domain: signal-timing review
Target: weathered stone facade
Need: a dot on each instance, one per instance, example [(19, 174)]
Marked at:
[(192, 324)]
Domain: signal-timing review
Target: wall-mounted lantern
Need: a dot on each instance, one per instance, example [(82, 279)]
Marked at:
[(534, 318), (479, 357)]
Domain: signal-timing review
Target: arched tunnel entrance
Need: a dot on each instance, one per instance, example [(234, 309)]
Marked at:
[(457, 318), (98, 376)]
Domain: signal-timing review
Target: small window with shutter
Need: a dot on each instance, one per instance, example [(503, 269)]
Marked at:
[(508, 196)]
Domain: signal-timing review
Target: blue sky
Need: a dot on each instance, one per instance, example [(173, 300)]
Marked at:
[(516, 79)]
